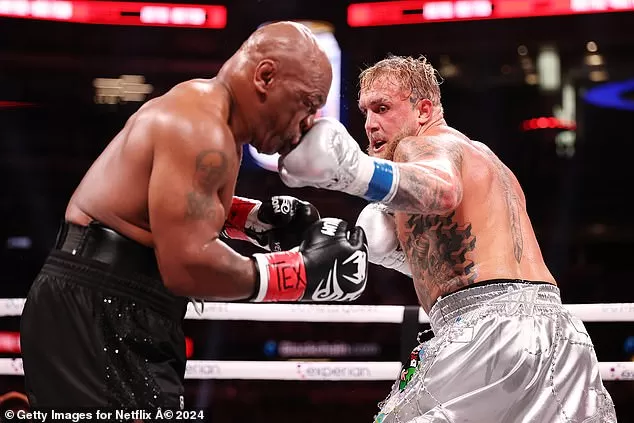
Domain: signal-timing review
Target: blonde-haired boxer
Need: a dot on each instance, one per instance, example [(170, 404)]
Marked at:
[(102, 324), (453, 216)]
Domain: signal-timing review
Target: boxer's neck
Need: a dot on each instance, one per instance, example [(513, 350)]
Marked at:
[(233, 83), (436, 120)]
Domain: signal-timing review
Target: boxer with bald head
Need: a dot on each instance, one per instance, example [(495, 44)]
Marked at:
[(102, 324), (446, 211)]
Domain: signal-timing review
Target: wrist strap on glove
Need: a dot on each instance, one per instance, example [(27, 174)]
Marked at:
[(282, 276), (377, 179)]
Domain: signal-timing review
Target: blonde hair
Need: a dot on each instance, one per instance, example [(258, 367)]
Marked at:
[(416, 77)]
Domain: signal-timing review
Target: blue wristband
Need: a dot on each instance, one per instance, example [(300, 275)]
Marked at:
[(383, 184)]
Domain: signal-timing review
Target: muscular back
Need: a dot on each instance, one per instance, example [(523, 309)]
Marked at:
[(489, 234), (115, 190)]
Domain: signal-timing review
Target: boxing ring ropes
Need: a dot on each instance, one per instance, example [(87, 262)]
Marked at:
[(329, 370)]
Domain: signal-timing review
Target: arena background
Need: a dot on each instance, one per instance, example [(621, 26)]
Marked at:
[(58, 109)]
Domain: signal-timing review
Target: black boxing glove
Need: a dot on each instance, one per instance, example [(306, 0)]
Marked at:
[(275, 225), (331, 264)]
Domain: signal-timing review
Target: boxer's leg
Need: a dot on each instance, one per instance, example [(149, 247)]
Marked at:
[(575, 381), (145, 361), (476, 369), (506, 366), (93, 339), (60, 344)]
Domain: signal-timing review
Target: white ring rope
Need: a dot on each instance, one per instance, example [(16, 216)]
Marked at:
[(343, 313), (310, 370), (324, 370)]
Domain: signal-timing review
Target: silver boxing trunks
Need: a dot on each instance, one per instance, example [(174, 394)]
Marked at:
[(502, 353)]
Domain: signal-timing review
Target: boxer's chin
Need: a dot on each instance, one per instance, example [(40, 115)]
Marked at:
[(286, 148), (268, 147)]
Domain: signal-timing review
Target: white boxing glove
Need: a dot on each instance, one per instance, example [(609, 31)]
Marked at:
[(328, 157), (384, 249)]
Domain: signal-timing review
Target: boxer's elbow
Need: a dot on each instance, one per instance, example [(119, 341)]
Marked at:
[(174, 272), (442, 194), (178, 267), (450, 197)]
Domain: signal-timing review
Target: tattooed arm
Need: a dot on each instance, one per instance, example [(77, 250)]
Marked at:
[(430, 175), (191, 167)]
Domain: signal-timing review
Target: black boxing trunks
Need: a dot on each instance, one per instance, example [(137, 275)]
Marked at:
[(99, 328)]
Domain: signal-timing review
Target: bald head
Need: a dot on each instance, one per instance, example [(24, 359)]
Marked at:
[(280, 77), (280, 37), (294, 49)]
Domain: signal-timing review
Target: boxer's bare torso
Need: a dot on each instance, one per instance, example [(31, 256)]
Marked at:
[(488, 236), (115, 191), (167, 179)]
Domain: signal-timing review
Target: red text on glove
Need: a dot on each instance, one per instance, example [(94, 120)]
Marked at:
[(287, 276)]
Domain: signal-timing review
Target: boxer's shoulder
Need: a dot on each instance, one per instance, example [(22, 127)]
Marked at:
[(427, 146), (173, 122)]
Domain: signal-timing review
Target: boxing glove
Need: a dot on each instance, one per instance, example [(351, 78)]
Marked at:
[(275, 225), (384, 249), (331, 264), (328, 157)]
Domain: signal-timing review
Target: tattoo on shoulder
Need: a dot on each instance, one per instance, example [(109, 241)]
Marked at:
[(512, 204), (423, 192), (210, 166), (431, 148)]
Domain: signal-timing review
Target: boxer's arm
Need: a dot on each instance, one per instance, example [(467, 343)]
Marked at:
[(424, 177), (187, 215), (430, 176)]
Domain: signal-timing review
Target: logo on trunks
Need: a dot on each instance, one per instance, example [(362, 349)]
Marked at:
[(331, 372), (521, 300)]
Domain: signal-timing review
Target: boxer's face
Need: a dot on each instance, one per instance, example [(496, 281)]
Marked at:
[(291, 103), (295, 110), (390, 115), (295, 105)]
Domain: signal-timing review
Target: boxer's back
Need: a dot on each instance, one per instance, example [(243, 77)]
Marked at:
[(488, 236), (114, 191)]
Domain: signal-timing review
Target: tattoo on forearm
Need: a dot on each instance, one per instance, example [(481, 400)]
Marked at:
[(209, 167), (512, 204), (438, 249), (421, 189), (418, 191)]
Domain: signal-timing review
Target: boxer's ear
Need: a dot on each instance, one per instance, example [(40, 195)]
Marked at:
[(425, 109), (265, 73)]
